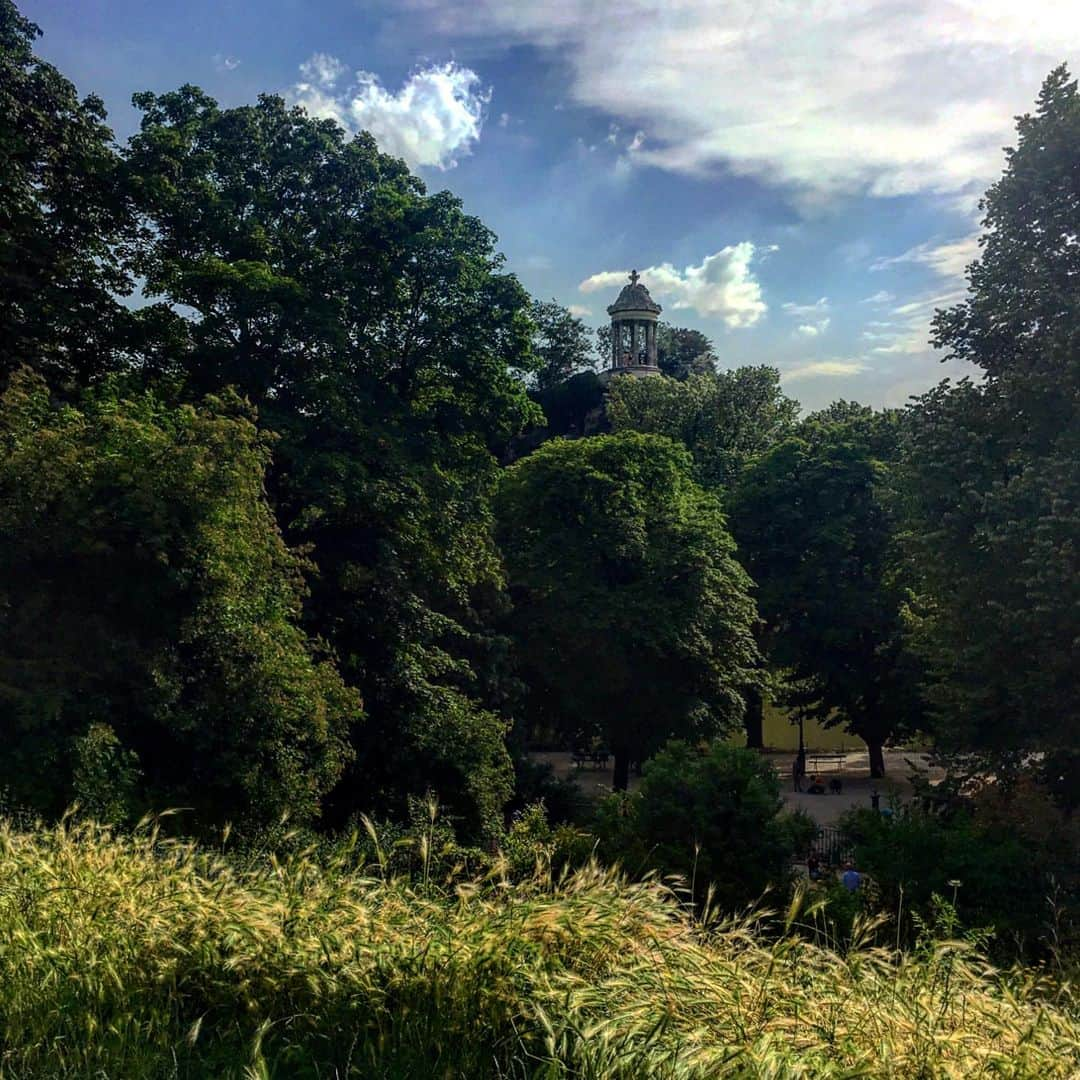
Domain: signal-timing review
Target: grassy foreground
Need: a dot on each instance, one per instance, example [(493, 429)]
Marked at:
[(136, 957)]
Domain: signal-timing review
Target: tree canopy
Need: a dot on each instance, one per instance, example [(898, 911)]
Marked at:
[(630, 610), (724, 419), (562, 343), (63, 215), (993, 468), (145, 591), (816, 532), (372, 327)]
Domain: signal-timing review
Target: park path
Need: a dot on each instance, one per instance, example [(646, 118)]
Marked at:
[(853, 772)]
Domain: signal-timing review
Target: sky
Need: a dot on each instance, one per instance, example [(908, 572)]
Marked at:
[(798, 179)]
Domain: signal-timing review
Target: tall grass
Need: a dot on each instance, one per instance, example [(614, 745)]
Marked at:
[(133, 956)]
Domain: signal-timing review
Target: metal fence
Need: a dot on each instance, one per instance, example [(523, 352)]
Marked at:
[(832, 846)]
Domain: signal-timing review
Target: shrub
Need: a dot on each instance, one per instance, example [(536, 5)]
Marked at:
[(712, 817), (995, 874)]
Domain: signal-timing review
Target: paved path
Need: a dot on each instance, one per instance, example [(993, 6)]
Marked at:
[(824, 809)]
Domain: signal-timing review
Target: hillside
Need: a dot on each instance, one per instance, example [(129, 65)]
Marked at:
[(138, 958)]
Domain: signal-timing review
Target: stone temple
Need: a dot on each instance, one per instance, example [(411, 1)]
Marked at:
[(633, 331)]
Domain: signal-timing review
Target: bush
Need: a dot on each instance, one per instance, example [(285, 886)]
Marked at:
[(994, 873), (713, 818)]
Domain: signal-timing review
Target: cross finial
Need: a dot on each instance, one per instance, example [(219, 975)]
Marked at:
[(634, 275)]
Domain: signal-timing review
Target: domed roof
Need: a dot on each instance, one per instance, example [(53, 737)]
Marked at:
[(634, 297)]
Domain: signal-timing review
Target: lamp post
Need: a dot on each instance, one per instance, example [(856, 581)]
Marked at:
[(800, 759)]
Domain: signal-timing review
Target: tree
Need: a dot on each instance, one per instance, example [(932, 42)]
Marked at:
[(681, 352), (993, 468), (372, 327), (561, 341), (62, 215), (724, 419), (816, 532), (150, 648), (713, 818), (631, 616)]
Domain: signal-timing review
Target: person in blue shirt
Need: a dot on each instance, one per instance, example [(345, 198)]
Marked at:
[(851, 878)]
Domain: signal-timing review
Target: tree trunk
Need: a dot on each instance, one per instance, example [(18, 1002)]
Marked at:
[(621, 776), (755, 720), (877, 758)]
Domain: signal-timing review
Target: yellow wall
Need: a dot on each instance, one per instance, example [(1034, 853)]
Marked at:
[(780, 734)]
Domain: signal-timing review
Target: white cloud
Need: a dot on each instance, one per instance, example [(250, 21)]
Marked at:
[(537, 262), (434, 119), (835, 96), (803, 311), (223, 62), (880, 297), (816, 369), (948, 260), (637, 142), (908, 332), (815, 314), (323, 70), (722, 285), (504, 119), (580, 311)]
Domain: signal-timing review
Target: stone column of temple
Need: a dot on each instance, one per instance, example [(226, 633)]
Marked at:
[(651, 347), (634, 346)]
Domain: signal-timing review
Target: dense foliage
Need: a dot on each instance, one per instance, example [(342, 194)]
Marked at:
[(1002, 871), (63, 217), (562, 344), (711, 816), (724, 419), (150, 647), (205, 967), (370, 324), (994, 468), (816, 531), (371, 329), (631, 616)]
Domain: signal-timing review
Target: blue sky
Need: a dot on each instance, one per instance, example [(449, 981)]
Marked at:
[(796, 178)]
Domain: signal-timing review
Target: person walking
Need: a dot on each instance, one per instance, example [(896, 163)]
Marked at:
[(798, 769)]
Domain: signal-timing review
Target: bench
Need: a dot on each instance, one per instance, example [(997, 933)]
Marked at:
[(825, 763), (598, 759)]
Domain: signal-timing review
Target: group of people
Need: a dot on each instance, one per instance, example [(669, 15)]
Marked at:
[(817, 783), (850, 878)]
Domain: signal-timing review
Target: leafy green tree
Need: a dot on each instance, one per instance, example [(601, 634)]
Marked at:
[(150, 652), (631, 616), (681, 352), (574, 407), (993, 468), (371, 325), (561, 341), (724, 419), (816, 532), (62, 214), (714, 818)]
